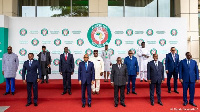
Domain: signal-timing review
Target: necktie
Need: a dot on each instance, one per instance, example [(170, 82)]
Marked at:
[(156, 66), (30, 63), (174, 57), (188, 62), (86, 65), (119, 66), (66, 57)]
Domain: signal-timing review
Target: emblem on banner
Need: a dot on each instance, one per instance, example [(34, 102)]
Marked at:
[(163, 61), (22, 52), (65, 32), (153, 51), (149, 32), (44, 32), (111, 51), (176, 51), (139, 41), (35, 42), (99, 35), (57, 42), (23, 32), (174, 32), (56, 62), (133, 50), (20, 72), (80, 42), (89, 52), (78, 61), (162, 42), (118, 42), (123, 60), (129, 32)]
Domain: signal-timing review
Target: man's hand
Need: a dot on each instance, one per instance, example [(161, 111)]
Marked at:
[(166, 71), (137, 73), (181, 80), (3, 72), (162, 81), (197, 81), (79, 82), (147, 56), (101, 73), (72, 73), (60, 73), (92, 82), (112, 83), (126, 83), (38, 80), (143, 55), (49, 65), (24, 81), (149, 81), (110, 64)]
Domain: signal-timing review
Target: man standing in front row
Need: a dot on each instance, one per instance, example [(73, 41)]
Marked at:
[(119, 79), (30, 68), (188, 75), (10, 63), (133, 70), (66, 69), (155, 76), (171, 67), (86, 77), (99, 68)]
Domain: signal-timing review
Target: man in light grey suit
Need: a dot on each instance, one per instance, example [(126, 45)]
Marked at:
[(119, 79)]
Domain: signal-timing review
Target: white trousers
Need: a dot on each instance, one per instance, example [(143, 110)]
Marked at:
[(143, 75), (97, 88)]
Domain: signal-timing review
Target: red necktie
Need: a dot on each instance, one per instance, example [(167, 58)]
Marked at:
[(66, 57)]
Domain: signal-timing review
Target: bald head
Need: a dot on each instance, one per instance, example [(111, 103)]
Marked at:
[(155, 57), (86, 57)]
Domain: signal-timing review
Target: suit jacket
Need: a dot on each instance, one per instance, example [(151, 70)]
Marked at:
[(86, 75), (188, 73), (169, 62), (132, 65), (31, 72), (119, 76), (66, 66), (48, 60), (153, 74)]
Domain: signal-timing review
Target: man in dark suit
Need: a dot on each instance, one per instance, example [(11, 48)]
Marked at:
[(86, 77), (66, 69), (44, 59), (155, 76), (30, 68), (171, 67), (188, 75), (119, 79)]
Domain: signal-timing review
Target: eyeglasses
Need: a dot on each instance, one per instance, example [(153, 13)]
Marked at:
[(173, 50), (119, 60), (95, 53), (9, 49), (130, 53), (85, 57)]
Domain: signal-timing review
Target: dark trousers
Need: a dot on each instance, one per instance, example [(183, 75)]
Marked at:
[(83, 87), (8, 80), (35, 91), (44, 70), (158, 91), (191, 86), (116, 91), (131, 78), (66, 81), (169, 76)]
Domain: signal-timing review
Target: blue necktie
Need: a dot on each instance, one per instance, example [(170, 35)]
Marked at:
[(30, 63), (86, 65)]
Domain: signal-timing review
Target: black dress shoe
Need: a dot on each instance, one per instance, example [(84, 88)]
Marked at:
[(185, 103), (193, 104), (116, 105), (35, 104), (6, 93), (127, 92), (160, 103), (145, 80), (13, 93), (63, 93), (69, 92), (176, 91), (169, 91), (134, 93), (152, 103), (89, 104), (28, 104), (83, 105), (141, 80), (47, 81), (123, 104), (42, 82)]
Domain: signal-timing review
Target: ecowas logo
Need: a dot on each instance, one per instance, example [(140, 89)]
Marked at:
[(176, 51), (174, 32), (35, 42), (44, 31), (139, 41), (153, 51), (65, 32), (162, 42), (22, 52), (80, 42), (23, 32), (78, 61), (99, 35), (57, 42), (118, 42), (112, 52), (129, 32), (56, 62), (149, 32), (163, 61), (20, 72), (133, 50), (89, 52)]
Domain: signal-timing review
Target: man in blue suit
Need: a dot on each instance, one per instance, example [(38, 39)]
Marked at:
[(133, 70), (171, 67), (155, 76), (86, 77), (66, 69), (30, 68), (188, 75)]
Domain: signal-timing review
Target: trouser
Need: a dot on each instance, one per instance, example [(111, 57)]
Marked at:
[(8, 80), (131, 78), (169, 76), (143, 75), (158, 91), (97, 83), (191, 86), (66, 81), (122, 95), (44, 70), (35, 91), (83, 87)]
